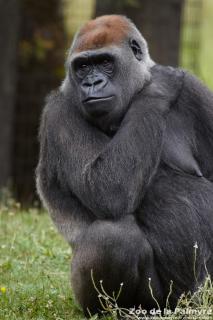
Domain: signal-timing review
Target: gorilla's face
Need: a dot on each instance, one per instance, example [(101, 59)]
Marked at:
[(98, 80), (106, 80), (94, 73)]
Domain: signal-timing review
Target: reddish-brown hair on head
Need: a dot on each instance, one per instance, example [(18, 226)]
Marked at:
[(101, 32)]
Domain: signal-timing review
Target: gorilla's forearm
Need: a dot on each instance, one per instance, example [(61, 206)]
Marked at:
[(69, 215), (119, 175)]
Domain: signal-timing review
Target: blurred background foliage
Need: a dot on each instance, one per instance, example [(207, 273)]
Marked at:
[(35, 37), (197, 39)]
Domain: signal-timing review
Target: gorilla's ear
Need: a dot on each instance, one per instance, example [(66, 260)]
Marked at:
[(136, 49)]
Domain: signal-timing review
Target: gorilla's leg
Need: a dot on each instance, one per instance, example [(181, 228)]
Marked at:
[(176, 216), (116, 252)]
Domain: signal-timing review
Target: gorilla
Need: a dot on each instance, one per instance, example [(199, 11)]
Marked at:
[(126, 169)]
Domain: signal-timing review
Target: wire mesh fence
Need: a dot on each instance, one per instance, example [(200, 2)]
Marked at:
[(46, 32), (191, 35)]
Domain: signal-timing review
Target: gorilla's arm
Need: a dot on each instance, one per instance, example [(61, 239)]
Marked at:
[(66, 157), (188, 142), (69, 215), (115, 181), (196, 104)]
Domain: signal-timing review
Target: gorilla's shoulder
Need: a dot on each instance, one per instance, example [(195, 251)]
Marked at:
[(54, 99), (168, 75), (55, 108), (166, 81), (55, 103)]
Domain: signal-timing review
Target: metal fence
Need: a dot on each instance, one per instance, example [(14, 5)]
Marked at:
[(191, 35), (35, 80)]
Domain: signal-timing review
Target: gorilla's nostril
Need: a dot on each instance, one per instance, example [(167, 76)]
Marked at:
[(91, 83), (99, 81)]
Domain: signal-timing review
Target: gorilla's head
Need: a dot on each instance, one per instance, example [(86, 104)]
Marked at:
[(108, 64)]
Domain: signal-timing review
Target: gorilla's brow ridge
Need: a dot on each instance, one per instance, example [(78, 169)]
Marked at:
[(101, 32)]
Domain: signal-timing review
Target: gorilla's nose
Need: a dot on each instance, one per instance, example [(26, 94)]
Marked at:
[(94, 83)]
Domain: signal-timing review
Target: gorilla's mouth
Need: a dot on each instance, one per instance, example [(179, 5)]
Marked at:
[(97, 99), (98, 106)]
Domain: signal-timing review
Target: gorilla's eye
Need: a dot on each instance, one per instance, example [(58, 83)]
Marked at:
[(81, 68), (106, 62), (107, 65), (136, 49)]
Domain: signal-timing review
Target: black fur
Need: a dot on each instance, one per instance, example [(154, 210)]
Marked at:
[(133, 202)]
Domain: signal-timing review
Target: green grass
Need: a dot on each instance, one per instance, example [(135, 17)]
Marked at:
[(34, 269)]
